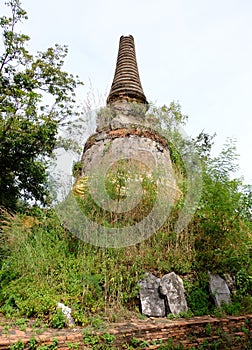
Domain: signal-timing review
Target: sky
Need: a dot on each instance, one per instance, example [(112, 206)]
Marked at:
[(196, 52)]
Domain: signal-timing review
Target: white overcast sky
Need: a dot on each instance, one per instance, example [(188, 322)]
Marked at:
[(197, 52)]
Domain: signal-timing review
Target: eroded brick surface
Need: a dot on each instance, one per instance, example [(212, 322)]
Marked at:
[(231, 332)]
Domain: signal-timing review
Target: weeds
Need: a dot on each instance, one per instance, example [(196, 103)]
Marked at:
[(57, 320), (42, 263), (19, 345)]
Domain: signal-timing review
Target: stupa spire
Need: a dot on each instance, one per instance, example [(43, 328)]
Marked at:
[(126, 84)]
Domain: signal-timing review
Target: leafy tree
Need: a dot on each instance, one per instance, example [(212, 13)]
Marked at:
[(36, 97), (222, 223)]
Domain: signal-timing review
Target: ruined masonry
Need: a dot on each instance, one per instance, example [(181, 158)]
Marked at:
[(171, 286), (125, 132), (162, 296), (122, 126), (124, 116), (219, 290), (126, 85), (126, 135), (151, 301)]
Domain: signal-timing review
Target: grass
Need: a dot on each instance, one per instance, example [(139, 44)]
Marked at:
[(45, 264), (42, 263)]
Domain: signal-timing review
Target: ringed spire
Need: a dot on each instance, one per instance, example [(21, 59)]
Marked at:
[(126, 84)]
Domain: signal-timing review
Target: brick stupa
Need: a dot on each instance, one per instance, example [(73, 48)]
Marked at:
[(126, 142)]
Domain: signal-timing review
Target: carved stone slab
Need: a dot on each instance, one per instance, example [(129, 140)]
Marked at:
[(219, 289), (152, 304), (171, 286)]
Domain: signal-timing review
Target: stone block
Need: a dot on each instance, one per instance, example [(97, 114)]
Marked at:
[(152, 303), (171, 286), (219, 289)]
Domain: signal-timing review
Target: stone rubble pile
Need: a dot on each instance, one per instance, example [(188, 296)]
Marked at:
[(161, 296)]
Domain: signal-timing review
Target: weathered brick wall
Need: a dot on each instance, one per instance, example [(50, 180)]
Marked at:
[(195, 333), (228, 333)]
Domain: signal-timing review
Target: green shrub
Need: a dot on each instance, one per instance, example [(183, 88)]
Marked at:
[(57, 319), (198, 301)]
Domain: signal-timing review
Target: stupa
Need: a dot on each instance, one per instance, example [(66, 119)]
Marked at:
[(125, 113), (126, 142)]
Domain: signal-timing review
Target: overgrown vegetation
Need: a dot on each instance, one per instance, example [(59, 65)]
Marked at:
[(42, 263)]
